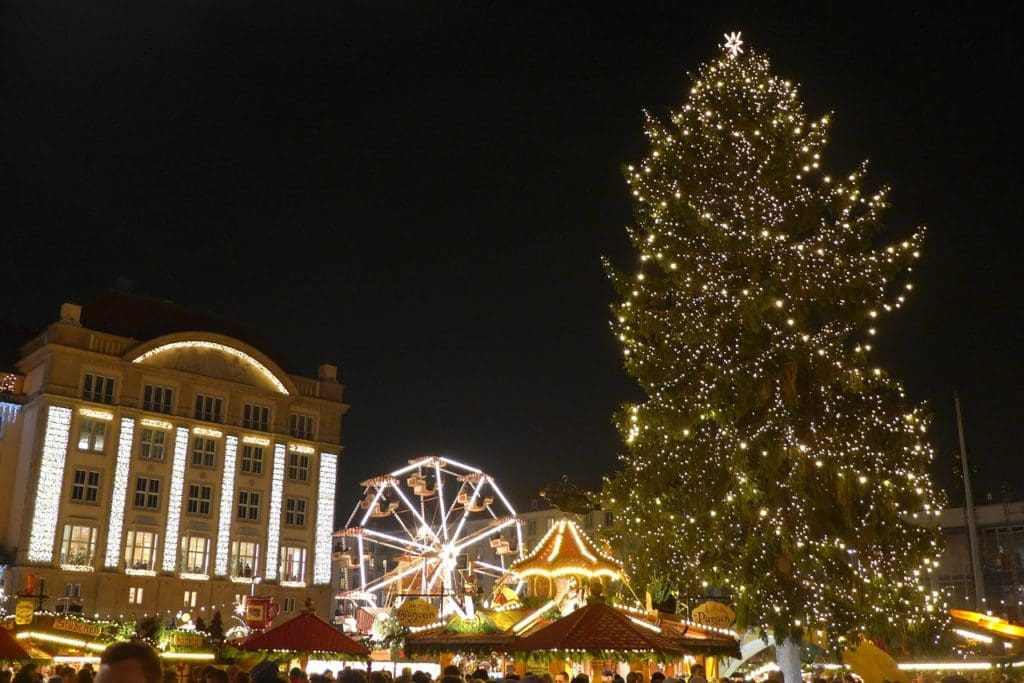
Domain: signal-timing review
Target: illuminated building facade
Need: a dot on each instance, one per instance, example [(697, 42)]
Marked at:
[(178, 473)]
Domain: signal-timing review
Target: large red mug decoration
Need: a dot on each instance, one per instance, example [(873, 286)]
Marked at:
[(259, 612)]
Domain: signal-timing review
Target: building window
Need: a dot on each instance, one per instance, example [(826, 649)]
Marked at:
[(588, 520), (195, 554), (85, 487), (249, 505), (92, 435), (190, 599), (151, 445), (204, 452), (252, 459), (157, 399), (551, 522), (72, 590), (608, 518), (255, 417), (134, 595), (293, 564), (298, 467), (289, 605), (301, 426), (78, 546), (98, 388), (244, 557), (295, 512), (147, 492), (531, 527), (209, 408), (200, 499), (140, 551)]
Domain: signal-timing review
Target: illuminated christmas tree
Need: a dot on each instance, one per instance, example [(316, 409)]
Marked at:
[(771, 458)]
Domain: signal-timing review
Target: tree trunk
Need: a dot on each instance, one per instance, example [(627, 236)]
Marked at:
[(787, 656)]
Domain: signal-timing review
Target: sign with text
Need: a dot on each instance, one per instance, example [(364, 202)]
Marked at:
[(416, 612), (78, 627), (711, 613)]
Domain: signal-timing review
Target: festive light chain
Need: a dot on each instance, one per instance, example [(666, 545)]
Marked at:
[(119, 493), (227, 507), (328, 480), (223, 348), (174, 496), (274, 514), (49, 484)]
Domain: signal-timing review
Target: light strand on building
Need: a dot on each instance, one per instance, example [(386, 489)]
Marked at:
[(120, 491), (325, 519), (223, 348), (51, 479), (274, 518), (174, 495), (227, 502)]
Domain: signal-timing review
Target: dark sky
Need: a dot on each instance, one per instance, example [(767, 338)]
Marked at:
[(420, 192)]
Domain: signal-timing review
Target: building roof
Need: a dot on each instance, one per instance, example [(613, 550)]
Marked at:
[(566, 550), (10, 649), (304, 633), (143, 318), (598, 628)]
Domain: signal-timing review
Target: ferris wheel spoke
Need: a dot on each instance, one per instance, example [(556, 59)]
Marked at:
[(439, 485), (403, 543), (419, 517), (385, 581), (401, 523), (373, 505), (484, 533), (468, 507)]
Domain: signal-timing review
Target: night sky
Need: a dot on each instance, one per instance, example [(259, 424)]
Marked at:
[(421, 193)]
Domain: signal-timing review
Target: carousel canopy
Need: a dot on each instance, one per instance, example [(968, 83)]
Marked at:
[(10, 649), (598, 628), (305, 633), (567, 551)]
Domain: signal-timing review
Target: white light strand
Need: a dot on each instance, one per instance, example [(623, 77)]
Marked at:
[(174, 495), (223, 348), (48, 488), (274, 517), (119, 493), (227, 502), (325, 518)]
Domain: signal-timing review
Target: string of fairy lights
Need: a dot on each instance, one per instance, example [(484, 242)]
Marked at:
[(771, 458)]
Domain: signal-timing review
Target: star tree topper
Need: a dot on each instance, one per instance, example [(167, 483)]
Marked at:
[(733, 42)]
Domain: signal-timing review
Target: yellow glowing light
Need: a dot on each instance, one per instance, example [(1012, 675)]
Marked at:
[(104, 415), (156, 424), (206, 431), (256, 440), (223, 348), (301, 448)]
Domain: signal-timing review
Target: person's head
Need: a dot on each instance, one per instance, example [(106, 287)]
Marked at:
[(606, 676), (562, 677), (547, 677), (697, 670), (352, 676), (377, 677), (169, 676), (407, 671), (481, 673), (657, 676), (581, 678), (242, 677), (216, 676), (129, 662)]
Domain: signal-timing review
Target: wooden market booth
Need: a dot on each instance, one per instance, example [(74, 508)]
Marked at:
[(599, 635), (304, 635)]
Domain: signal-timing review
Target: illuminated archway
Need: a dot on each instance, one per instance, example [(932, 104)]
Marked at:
[(248, 355)]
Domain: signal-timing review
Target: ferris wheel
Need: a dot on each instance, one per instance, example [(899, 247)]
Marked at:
[(432, 519)]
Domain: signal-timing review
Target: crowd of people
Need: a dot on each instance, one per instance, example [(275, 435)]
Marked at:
[(134, 662)]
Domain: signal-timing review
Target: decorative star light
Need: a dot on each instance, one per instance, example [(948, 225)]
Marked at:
[(733, 42)]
